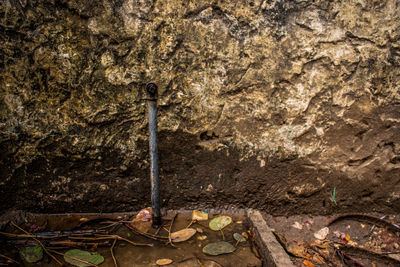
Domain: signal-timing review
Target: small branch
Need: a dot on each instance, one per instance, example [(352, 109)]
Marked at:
[(112, 253), (170, 229), (14, 261), (390, 252), (366, 218), (353, 260), (105, 237), (40, 243), (191, 222), (223, 236)]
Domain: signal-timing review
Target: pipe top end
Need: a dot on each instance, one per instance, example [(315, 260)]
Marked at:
[(151, 90)]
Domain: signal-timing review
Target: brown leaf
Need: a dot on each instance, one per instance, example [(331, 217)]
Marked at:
[(183, 235), (162, 262), (142, 222)]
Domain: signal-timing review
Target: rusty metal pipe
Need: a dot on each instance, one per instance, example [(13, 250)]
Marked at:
[(151, 93)]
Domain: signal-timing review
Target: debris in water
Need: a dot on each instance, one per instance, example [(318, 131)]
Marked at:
[(31, 254), (142, 222), (218, 248), (199, 215), (83, 258), (238, 237), (220, 222)]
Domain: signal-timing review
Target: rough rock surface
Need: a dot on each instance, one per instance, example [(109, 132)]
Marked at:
[(263, 104)]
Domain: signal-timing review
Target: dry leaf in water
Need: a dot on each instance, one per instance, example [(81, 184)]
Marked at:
[(162, 262), (142, 222), (199, 215), (183, 235)]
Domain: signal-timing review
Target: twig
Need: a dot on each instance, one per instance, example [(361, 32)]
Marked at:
[(29, 236), (103, 237), (339, 253), (200, 263), (14, 261), (203, 259), (148, 235), (40, 243), (390, 252), (223, 236), (353, 260), (74, 258), (371, 254), (112, 253), (191, 222), (322, 254), (366, 218), (63, 243), (170, 229)]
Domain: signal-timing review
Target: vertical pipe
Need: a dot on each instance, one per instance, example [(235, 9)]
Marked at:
[(151, 93)]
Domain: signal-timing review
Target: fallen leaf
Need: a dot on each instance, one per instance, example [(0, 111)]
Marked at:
[(322, 233), (162, 262), (183, 235), (31, 254), (142, 222), (199, 215), (199, 230), (94, 258), (297, 225), (308, 263), (218, 248), (239, 237), (220, 222)]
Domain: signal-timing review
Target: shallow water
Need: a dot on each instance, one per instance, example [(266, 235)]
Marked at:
[(187, 253)]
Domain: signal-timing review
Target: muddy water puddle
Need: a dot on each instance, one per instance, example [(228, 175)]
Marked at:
[(161, 245)]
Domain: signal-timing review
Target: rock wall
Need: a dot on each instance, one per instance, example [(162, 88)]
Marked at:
[(264, 104)]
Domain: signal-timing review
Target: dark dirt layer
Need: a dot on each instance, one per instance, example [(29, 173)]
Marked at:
[(361, 233), (190, 177), (184, 254)]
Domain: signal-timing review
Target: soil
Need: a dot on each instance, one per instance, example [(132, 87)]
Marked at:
[(183, 254), (361, 233)]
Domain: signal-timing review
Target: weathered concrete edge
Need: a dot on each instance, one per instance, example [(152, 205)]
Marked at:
[(273, 253)]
